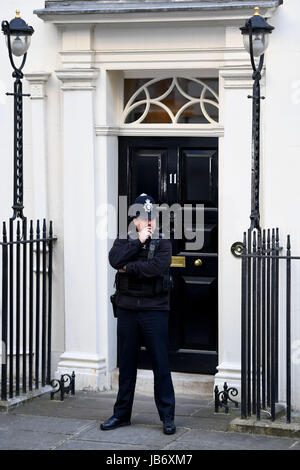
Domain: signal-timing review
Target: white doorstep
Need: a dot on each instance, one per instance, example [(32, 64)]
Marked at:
[(184, 383)]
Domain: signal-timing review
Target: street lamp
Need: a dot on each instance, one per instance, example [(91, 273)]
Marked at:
[(256, 33), (17, 34)]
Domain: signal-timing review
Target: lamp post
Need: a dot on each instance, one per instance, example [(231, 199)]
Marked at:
[(18, 35), (256, 33)]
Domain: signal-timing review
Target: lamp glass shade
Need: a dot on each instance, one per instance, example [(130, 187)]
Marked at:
[(19, 44), (260, 42)]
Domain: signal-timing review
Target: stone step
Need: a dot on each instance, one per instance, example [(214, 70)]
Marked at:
[(10, 403), (279, 427), (185, 384)]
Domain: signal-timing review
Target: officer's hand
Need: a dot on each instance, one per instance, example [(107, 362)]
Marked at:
[(144, 234)]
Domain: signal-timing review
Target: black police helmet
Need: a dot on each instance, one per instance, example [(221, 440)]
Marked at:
[(148, 209)]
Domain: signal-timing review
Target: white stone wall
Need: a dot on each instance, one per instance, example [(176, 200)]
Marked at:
[(281, 163)]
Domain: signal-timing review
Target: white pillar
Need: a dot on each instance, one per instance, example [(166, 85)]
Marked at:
[(234, 211), (37, 82), (109, 98), (81, 314)]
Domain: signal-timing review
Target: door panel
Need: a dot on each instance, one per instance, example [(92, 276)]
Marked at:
[(199, 177), (182, 171), (200, 293), (148, 172)]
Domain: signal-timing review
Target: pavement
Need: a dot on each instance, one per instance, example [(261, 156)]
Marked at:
[(44, 424)]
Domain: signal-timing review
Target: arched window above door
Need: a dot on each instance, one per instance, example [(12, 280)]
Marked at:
[(172, 100)]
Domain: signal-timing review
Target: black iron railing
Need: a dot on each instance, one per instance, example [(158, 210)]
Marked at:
[(261, 259), (26, 301)]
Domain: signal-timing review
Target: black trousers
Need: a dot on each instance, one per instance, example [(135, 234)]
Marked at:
[(152, 327)]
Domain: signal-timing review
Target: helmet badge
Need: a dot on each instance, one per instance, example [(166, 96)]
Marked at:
[(148, 205)]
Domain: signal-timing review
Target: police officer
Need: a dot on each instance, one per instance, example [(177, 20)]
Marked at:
[(142, 306)]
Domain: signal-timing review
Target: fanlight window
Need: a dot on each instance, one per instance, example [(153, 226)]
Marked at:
[(174, 100)]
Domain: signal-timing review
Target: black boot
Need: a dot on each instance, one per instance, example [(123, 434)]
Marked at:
[(113, 423), (169, 426)]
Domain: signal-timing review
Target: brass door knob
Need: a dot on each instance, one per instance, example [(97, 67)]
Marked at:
[(198, 262)]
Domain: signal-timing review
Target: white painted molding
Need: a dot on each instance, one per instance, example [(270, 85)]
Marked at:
[(183, 130), (37, 82), (77, 78), (230, 369), (82, 15), (90, 370), (239, 77), (81, 360), (174, 50), (190, 59), (200, 72), (77, 59)]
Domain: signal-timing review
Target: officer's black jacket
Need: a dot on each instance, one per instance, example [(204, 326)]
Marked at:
[(134, 254)]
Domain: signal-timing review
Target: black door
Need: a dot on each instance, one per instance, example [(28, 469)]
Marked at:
[(184, 171)]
